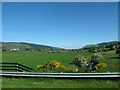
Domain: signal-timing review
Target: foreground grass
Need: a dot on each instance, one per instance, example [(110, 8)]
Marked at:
[(57, 83)]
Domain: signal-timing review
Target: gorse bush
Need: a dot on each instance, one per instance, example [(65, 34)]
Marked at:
[(53, 65), (100, 66), (56, 65)]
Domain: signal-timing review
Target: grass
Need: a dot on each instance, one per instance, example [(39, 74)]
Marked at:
[(57, 83), (27, 58), (35, 58)]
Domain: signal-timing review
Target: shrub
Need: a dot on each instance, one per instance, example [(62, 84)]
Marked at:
[(80, 61), (53, 65), (100, 66), (118, 52), (39, 67), (96, 57)]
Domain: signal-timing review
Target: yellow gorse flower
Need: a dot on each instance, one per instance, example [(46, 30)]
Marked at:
[(39, 67), (52, 65), (100, 66)]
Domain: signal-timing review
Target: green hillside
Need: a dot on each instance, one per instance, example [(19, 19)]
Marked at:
[(105, 46), (39, 47), (101, 47), (24, 46)]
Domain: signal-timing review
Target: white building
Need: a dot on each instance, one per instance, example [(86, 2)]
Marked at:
[(14, 49)]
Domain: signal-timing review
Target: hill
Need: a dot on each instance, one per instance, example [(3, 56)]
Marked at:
[(105, 46), (25, 46), (30, 46)]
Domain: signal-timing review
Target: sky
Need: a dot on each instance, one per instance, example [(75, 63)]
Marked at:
[(67, 25)]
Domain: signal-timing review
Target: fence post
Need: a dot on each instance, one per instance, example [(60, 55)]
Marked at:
[(16, 67)]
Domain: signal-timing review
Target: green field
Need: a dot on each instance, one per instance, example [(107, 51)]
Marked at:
[(35, 58)]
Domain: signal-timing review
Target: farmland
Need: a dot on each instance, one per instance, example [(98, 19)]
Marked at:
[(27, 58), (36, 58), (32, 59)]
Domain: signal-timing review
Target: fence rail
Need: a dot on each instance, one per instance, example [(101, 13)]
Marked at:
[(60, 75), (14, 67)]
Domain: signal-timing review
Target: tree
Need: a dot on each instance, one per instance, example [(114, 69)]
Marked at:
[(118, 50)]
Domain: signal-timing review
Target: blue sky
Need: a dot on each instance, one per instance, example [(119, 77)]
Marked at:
[(65, 25)]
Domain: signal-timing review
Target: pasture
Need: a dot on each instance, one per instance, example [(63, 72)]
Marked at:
[(32, 59)]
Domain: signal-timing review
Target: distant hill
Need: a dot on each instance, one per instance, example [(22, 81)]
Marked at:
[(105, 46), (25, 46), (92, 45), (108, 43), (30, 46)]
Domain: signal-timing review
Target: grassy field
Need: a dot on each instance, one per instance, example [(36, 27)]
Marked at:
[(35, 58)]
